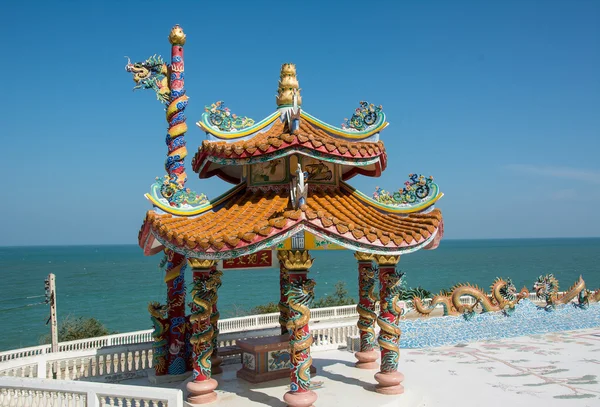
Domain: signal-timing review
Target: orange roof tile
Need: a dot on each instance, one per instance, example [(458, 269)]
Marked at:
[(278, 138), (254, 216)]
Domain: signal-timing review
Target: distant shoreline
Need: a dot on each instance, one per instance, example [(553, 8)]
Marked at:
[(486, 239)]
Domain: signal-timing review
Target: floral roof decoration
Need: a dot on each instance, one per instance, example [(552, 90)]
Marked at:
[(365, 116), (221, 117), (416, 190), (168, 196)]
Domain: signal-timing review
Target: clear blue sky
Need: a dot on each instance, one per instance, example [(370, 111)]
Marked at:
[(499, 101)]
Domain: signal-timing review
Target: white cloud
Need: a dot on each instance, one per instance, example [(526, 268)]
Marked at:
[(577, 174)]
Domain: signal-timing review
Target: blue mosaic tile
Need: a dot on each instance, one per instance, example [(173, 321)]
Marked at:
[(527, 319)]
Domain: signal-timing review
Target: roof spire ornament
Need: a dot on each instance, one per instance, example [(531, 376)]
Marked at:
[(288, 97), (288, 86), (299, 188)]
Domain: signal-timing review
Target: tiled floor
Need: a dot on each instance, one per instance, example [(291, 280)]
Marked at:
[(554, 369)]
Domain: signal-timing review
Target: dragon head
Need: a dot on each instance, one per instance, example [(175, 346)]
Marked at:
[(151, 74), (214, 281), (157, 310), (545, 286), (508, 291), (301, 292), (393, 281)]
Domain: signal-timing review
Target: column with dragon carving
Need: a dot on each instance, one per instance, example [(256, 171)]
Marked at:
[(158, 315), (388, 378), (206, 281), (283, 300), (167, 81), (367, 356), (300, 294), (175, 265), (176, 176), (215, 359)]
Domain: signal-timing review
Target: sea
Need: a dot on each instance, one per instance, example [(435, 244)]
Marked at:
[(115, 283)]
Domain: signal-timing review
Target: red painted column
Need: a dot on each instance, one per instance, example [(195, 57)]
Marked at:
[(388, 378), (367, 356), (201, 388), (300, 294), (175, 278)]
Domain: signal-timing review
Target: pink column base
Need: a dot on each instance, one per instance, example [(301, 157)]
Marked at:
[(389, 383), (202, 392), (367, 360), (300, 399)]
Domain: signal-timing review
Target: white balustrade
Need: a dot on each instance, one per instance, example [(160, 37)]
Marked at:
[(228, 325), (19, 392)]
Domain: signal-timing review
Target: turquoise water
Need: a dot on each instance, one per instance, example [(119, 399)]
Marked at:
[(115, 283)]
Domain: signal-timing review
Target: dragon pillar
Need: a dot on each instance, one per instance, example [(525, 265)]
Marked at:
[(300, 294), (175, 265), (367, 356), (174, 165), (388, 378), (283, 300), (215, 359), (206, 280), (158, 315)]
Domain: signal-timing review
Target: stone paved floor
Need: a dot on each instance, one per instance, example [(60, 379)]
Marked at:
[(559, 369)]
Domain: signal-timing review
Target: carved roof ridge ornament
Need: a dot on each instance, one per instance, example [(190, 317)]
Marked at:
[(416, 190), (221, 118), (364, 117), (299, 188)]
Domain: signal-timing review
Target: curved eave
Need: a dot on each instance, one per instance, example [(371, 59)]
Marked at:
[(201, 158), (195, 211), (205, 125), (155, 243), (390, 208), (336, 215), (354, 135)]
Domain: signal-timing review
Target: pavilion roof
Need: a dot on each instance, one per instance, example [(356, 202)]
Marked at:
[(276, 141), (254, 219)]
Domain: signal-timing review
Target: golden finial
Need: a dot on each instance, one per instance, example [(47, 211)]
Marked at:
[(177, 36), (288, 86)]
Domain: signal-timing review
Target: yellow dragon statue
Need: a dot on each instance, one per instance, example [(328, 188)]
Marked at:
[(300, 296), (389, 335), (204, 296), (503, 297), (367, 316), (546, 288), (158, 315)]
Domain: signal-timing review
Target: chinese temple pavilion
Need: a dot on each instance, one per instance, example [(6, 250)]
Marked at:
[(289, 195)]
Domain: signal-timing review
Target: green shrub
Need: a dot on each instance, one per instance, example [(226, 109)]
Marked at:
[(339, 297), (73, 328), (265, 308)]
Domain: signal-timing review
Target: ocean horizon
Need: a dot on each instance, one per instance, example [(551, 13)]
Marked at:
[(444, 240), (114, 283)]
